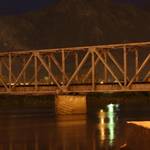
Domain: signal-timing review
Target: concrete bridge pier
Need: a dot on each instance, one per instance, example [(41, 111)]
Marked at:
[(70, 104)]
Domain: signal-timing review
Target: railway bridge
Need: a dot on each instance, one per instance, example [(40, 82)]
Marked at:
[(101, 68)]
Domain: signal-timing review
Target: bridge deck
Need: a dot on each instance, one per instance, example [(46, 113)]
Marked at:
[(79, 88)]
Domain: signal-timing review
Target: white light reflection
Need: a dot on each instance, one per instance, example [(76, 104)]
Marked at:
[(110, 108), (111, 123)]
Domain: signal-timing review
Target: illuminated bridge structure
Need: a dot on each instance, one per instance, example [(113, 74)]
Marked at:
[(102, 68)]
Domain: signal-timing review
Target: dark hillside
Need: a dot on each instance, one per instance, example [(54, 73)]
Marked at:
[(73, 23)]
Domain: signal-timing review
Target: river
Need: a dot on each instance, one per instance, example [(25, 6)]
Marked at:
[(104, 128)]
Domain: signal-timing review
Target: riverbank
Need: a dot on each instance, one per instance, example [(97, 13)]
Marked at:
[(144, 124), (138, 135)]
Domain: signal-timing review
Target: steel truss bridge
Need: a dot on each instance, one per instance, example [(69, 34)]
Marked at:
[(104, 68)]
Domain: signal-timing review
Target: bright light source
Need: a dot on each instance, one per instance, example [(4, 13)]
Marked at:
[(102, 116), (117, 105), (46, 78), (110, 108), (115, 81), (102, 82), (101, 110)]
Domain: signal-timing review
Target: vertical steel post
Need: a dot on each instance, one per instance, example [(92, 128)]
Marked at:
[(35, 71), (63, 66), (93, 70), (76, 64), (105, 69), (10, 70), (24, 73), (50, 66), (136, 63), (0, 68), (125, 64), (78, 68)]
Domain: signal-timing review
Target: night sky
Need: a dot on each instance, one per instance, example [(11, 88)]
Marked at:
[(19, 6)]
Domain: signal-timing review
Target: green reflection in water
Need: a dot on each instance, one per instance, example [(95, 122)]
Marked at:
[(107, 124)]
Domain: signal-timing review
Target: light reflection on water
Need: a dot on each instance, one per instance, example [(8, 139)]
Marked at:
[(63, 133), (107, 124)]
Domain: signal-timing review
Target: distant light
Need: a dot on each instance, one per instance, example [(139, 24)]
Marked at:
[(117, 105), (102, 82), (102, 116), (110, 107), (46, 78), (101, 110), (115, 81)]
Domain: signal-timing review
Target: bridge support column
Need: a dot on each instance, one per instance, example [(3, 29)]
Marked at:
[(69, 104)]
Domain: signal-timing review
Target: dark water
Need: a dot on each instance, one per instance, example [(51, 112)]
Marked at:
[(104, 129)]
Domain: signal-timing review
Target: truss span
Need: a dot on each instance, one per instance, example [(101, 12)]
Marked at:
[(104, 68)]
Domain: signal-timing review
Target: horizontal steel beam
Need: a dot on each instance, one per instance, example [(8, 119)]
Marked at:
[(83, 48), (76, 89)]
